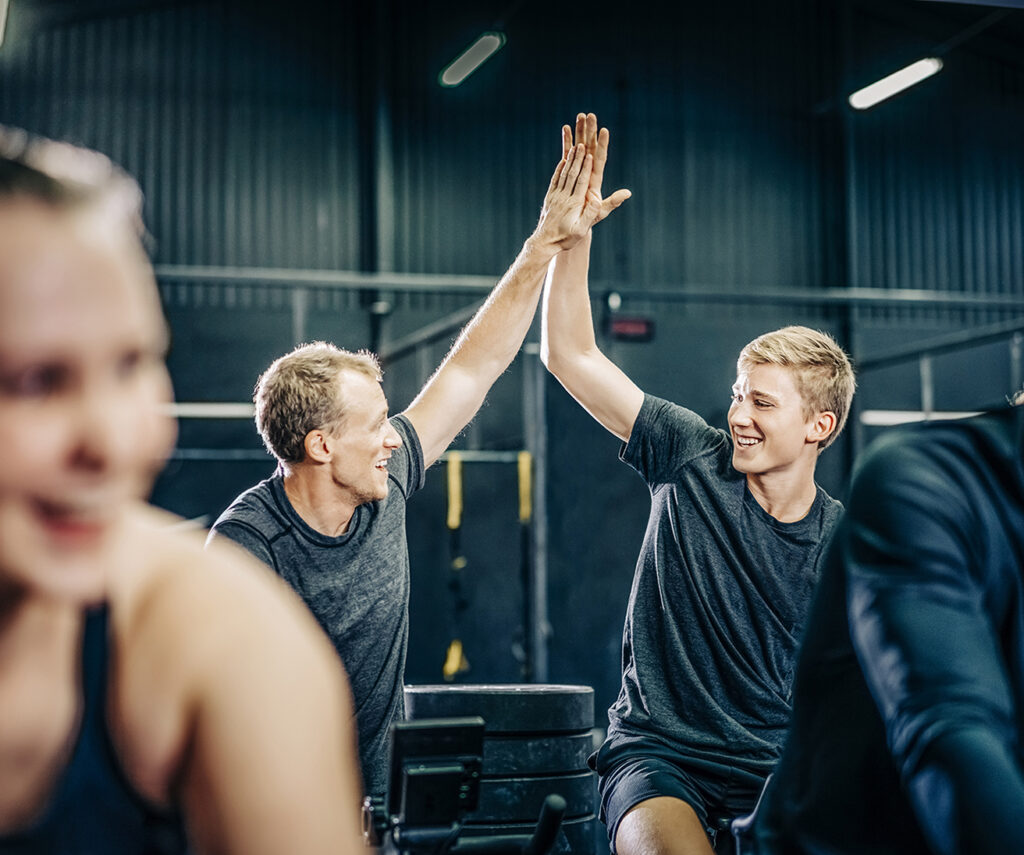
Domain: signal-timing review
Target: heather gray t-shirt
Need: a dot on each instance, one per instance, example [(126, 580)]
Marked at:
[(356, 585), (718, 601)]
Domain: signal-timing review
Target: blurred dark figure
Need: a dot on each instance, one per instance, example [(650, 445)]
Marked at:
[(909, 696)]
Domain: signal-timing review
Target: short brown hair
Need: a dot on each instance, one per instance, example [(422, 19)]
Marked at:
[(299, 393), (822, 371)]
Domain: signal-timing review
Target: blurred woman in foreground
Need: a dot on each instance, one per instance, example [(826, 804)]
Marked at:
[(153, 697)]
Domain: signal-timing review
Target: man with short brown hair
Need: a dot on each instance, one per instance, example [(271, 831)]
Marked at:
[(331, 521)]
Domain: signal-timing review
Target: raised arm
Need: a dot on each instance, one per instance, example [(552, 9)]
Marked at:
[(489, 343), (568, 345)]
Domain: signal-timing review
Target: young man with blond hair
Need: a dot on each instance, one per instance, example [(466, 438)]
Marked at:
[(331, 521), (726, 570)]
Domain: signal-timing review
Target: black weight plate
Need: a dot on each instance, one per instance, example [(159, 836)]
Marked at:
[(511, 754), (519, 798), (575, 837), (507, 708)]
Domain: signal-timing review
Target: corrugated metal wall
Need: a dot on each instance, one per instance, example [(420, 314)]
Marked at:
[(938, 190), (238, 119), (273, 136), (711, 121)]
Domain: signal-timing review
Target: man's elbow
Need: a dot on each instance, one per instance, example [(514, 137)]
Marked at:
[(554, 359), (575, 370), (559, 367)]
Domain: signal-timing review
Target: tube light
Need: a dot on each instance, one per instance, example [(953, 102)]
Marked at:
[(895, 82), (4, 7), (471, 58)]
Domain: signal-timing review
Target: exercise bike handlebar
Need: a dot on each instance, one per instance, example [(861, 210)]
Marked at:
[(539, 843), (548, 823)]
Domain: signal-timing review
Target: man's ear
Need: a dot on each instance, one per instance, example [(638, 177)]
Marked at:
[(822, 426), (317, 447)]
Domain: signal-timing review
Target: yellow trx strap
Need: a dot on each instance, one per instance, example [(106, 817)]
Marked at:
[(525, 465), (454, 489), (455, 660)]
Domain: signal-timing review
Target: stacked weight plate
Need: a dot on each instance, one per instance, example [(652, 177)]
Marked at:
[(537, 738)]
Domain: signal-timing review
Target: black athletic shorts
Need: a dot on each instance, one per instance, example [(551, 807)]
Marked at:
[(713, 790)]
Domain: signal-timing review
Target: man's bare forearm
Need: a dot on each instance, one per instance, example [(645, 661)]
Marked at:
[(569, 346)]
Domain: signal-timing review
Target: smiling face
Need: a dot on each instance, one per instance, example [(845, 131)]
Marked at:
[(362, 445), (769, 428), (83, 388)]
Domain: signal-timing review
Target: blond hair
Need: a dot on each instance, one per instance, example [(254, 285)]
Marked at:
[(821, 369), (67, 177), (299, 393)]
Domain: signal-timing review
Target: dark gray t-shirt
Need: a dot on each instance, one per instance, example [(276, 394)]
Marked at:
[(718, 602), (356, 585)]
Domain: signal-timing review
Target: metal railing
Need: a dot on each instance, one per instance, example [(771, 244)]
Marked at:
[(925, 352)]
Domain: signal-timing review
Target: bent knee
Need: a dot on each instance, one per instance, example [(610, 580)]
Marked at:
[(661, 826)]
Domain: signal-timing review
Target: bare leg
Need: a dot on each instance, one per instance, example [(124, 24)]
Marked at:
[(661, 826)]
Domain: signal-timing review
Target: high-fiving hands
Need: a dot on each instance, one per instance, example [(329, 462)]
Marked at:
[(573, 203), (596, 144)]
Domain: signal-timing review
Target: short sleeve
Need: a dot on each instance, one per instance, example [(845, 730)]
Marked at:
[(245, 536), (665, 437), (406, 465)]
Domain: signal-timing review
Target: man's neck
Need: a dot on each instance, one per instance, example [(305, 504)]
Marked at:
[(316, 500), (786, 495)]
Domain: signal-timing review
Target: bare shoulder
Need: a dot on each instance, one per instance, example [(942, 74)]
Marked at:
[(196, 594), (200, 633)]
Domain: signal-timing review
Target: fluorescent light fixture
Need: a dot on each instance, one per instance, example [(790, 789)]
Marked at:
[(4, 7), (471, 58), (208, 410), (895, 82), (888, 418)]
